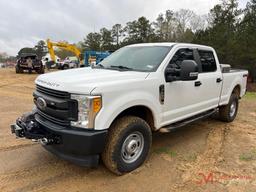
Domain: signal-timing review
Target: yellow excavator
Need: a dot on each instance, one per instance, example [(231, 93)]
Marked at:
[(63, 45)]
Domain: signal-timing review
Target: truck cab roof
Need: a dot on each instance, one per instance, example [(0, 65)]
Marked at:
[(172, 44)]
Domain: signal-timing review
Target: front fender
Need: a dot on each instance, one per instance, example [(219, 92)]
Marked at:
[(113, 106)]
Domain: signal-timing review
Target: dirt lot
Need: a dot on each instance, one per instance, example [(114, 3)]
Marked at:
[(206, 156)]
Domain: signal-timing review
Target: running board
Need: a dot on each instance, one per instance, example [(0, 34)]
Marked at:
[(182, 123)]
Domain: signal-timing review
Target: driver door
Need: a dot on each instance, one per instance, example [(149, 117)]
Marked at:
[(182, 98)]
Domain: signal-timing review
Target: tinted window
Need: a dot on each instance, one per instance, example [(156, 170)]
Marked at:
[(181, 55), (208, 61)]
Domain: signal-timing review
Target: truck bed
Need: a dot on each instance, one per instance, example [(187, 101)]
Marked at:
[(234, 70), (231, 78)]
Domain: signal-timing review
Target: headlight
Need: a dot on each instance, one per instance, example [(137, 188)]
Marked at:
[(88, 107)]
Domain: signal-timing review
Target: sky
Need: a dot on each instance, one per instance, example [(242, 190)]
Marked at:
[(24, 22)]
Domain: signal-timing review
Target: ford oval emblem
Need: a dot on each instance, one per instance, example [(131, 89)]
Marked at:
[(41, 103)]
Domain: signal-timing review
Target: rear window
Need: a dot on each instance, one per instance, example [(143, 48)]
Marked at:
[(207, 61)]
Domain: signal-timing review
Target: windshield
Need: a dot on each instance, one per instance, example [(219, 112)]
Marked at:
[(142, 58)]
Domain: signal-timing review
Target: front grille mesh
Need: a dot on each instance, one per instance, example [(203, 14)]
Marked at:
[(52, 119), (48, 95)]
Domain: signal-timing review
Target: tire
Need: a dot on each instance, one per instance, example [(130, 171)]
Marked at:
[(125, 134), (65, 67), (18, 69), (41, 70), (228, 112)]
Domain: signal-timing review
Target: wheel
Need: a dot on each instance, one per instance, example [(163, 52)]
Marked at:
[(128, 145), (41, 70), (18, 69), (65, 67), (228, 112)]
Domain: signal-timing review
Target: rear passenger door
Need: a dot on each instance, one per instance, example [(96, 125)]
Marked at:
[(210, 78)]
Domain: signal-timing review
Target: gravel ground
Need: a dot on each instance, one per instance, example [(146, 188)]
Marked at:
[(206, 156)]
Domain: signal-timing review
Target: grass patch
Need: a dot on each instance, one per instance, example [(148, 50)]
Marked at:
[(191, 157), (248, 156), (250, 95), (166, 150)]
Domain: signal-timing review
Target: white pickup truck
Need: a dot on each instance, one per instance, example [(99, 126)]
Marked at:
[(110, 110)]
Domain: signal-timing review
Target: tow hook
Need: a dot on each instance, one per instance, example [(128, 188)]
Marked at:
[(44, 141)]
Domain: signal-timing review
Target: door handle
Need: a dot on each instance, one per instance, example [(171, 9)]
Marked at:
[(198, 83), (218, 80)]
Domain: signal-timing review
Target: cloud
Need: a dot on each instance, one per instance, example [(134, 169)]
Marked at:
[(24, 22)]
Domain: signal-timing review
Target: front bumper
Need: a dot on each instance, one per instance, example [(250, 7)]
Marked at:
[(30, 67), (79, 146)]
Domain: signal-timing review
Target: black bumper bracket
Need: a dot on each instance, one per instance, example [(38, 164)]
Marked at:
[(80, 146), (27, 127)]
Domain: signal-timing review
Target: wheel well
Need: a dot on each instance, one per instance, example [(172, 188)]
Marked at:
[(139, 111), (237, 90)]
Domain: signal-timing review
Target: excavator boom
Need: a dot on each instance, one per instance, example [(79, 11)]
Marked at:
[(62, 45)]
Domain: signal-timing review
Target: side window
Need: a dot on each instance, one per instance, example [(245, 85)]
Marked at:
[(207, 61), (181, 55)]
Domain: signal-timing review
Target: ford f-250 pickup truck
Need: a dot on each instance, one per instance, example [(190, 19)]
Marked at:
[(110, 110), (30, 62)]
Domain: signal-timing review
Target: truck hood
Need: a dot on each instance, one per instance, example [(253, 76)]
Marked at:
[(84, 80)]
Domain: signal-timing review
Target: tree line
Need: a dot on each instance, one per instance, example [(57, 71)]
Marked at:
[(227, 28), (177, 26)]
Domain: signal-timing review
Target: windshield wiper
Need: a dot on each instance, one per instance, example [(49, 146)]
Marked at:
[(121, 67)]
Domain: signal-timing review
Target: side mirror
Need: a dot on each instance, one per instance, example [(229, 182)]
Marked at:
[(189, 70), (172, 74)]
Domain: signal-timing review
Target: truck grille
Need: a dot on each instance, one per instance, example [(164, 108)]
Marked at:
[(52, 119), (59, 110), (53, 93)]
